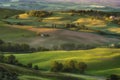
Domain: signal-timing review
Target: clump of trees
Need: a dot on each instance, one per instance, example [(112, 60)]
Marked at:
[(31, 66), (11, 59), (113, 77), (15, 47), (56, 66), (39, 13), (69, 66), (7, 75)]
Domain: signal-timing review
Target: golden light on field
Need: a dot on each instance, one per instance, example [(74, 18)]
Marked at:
[(56, 20), (53, 18), (116, 30), (91, 22), (37, 30), (23, 16)]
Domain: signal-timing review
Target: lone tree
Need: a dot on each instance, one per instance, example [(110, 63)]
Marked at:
[(2, 58), (36, 67), (29, 65)]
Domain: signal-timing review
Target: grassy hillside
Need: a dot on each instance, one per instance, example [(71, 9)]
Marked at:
[(29, 74), (103, 23), (57, 36), (31, 30), (28, 34), (101, 61), (12, 34), (61, 36), (9, 12)]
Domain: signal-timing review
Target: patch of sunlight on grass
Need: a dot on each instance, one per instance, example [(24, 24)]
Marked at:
[(91, 22), (23, 16), (116, 30), (95, 56), (53, 18)]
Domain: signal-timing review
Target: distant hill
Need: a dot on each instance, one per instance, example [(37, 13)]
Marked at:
[(4, 0), (100, 2), (108, 5)]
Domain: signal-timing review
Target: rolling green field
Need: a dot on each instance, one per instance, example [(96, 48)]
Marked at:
[(30, 74), (25, 29), (61, 18), (89, 37), (101, 61), (28, 34)]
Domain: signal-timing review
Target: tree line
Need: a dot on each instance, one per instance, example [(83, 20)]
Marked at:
[(25, 48), (69, 66), (93, 12), (15, 47)]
